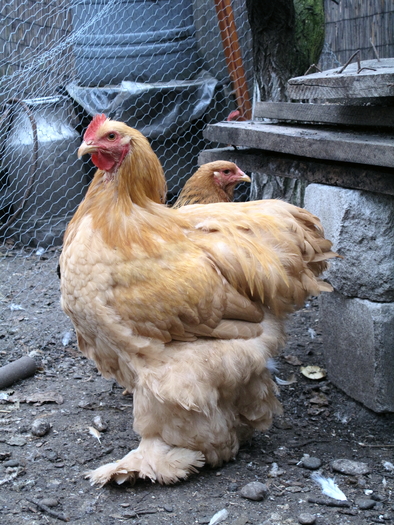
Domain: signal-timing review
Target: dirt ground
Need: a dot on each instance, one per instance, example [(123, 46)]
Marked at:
[(67, 393)]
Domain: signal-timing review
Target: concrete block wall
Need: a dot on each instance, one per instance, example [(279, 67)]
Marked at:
[(358, 318)]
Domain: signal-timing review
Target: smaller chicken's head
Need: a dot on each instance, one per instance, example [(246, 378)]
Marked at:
[(108, 143), (226, 174)]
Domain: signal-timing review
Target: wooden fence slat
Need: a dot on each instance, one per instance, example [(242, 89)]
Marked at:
[(363, 148), (333, 84), (327, 113)]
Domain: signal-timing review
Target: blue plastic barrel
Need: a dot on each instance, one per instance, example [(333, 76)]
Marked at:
[(137, 40)]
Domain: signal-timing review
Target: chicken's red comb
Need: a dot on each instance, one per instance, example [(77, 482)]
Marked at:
[(97, 121)]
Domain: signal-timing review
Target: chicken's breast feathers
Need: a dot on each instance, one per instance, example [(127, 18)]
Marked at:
[(172, 290)]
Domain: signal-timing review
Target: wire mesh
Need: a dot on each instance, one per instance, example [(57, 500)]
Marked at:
[(159, 66)]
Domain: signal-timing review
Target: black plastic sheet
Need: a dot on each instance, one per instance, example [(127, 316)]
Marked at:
[(156, 110)]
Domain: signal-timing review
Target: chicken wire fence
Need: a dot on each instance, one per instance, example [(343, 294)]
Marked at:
[(164, 67)]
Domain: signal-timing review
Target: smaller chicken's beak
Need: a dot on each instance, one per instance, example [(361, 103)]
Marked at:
[(243, 177), (85, 148)]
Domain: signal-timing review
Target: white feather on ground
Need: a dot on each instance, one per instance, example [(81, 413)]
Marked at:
[(329, 487), (219, 517)]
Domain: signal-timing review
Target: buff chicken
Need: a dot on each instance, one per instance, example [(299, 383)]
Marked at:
[(183, 307), (212, 182)]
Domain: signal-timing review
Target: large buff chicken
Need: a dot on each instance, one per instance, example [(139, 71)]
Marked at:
[(183, 307)]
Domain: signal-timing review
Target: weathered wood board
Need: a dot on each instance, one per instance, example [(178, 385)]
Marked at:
[(346, 115), (359, 177), (377, 81), (362, 147)]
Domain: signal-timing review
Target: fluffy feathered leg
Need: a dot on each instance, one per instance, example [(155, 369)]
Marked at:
[(153, 459)]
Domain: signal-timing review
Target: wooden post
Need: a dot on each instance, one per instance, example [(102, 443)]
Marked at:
[(232, 51)]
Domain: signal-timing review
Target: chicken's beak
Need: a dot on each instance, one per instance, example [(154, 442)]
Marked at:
[(243, 177), (85, 148)]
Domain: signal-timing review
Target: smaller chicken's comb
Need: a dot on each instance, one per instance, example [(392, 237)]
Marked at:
[(91, 130)]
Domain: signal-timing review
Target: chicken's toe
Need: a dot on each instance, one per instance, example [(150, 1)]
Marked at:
[(153, 459)]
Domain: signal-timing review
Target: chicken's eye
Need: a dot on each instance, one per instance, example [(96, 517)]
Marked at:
[(111, 136), (226, 172)]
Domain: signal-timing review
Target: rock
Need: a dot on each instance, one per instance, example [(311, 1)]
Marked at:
[(311, 463), (293, 489), (365, 503), (100, 424), (358, 223), (241, 520), (233, 487), (50, 502), (281, 423), (352, 468), (306, 519), (359, 361), (388, 466), (281, 452), (377, 497), (51, 455), (11, 463), (40, 427), (255, 491), (168, 508), (16, 441)]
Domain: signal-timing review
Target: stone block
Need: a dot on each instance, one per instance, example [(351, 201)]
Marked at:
[(361, 226), (358, 342)]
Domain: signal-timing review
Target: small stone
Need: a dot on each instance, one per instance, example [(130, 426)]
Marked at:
[(377, 497), (100, 424), (40, 427), (50, 502), (352, 468), (283, 424), (233, 487), (16, 441), (306, 519), (255, 491), (242, 520), (311, 463), (51, 455), (4, 455), (281, 451), (168, 508), (293, 489), (365, 503), (11, 463)]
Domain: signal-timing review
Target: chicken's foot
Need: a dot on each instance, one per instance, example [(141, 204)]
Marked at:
[(153, 459)]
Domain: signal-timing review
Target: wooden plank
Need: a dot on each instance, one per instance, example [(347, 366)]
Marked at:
[(353, 176), (327, 113), (362, 147), (333, 84)]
